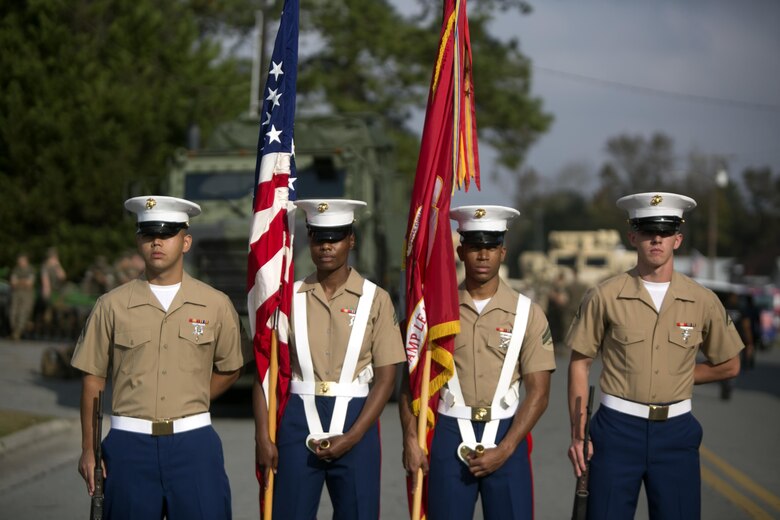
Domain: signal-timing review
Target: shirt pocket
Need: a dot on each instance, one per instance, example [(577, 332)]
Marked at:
[(498, 340), (196, 350), (129, 346), (682, 350), (463, 354), (628, 353)]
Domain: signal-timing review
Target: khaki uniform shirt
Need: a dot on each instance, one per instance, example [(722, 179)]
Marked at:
[(649, 356), (161, 362), (481, 346), (329, 326)]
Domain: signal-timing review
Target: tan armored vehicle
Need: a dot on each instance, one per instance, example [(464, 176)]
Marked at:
[(575, 262), (592, 255)]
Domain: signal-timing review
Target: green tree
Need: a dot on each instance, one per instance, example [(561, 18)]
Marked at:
[(718, 207), (759, 232), (94, 97), (369, 57), (634, 164), (743, 214), (561, 209)]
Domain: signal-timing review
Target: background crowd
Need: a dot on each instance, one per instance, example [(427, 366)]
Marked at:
[(41, 300)]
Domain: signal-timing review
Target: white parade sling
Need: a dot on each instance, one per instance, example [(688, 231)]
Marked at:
[(343, 390), (505, 398)]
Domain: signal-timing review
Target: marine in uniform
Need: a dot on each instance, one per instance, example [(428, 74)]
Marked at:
[(22, 296), (648, 325), (172, 343), (53, 279), (482, 444), (344, 335)]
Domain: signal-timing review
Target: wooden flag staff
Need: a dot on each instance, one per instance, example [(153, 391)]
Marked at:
[(273, 375), (422, 430)]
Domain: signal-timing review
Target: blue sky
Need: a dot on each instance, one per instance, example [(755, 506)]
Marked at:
[(706, 73)]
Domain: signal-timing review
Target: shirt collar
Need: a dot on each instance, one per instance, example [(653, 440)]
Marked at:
[(635, 289), (503, 299), (354, 284), (141, 293)]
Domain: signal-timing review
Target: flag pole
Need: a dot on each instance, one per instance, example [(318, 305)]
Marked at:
[(273, 375), (422, 430)]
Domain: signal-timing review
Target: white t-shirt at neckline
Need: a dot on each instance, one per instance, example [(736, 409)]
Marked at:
[(165, 293), (657, 292)]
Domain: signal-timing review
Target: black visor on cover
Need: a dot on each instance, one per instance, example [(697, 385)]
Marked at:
[(482, 238), (329, 234), (656, 224), (159, 228)]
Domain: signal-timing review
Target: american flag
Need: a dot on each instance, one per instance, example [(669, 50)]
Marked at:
[(270, 269)]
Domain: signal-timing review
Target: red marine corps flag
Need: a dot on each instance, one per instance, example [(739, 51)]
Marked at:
[(448, 157), (270, 269)]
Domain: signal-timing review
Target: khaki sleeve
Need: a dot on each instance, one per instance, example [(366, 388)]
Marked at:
[(93, 349), (721, 339), (230, 352), (587, 327), (386, 345), (537, 354)]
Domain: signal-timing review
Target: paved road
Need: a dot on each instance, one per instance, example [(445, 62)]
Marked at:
[(739, 454)]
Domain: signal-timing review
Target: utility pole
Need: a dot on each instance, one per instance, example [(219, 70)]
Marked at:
[(259, 59), (721, 181)]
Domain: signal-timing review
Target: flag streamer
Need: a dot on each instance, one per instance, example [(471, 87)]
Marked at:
[(448, 159)]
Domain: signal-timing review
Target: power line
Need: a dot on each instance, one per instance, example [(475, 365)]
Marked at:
[(700, 98)]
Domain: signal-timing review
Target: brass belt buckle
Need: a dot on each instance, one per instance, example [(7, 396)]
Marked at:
[(481, 414), (322, 388), (658, 413), (164, 427)]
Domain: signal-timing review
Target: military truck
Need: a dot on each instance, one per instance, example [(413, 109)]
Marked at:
[(592, 255), (345, 156), (574, 262), (586, 257)]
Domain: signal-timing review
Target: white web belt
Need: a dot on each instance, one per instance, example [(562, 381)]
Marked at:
[(505, 398), (343, 390)]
